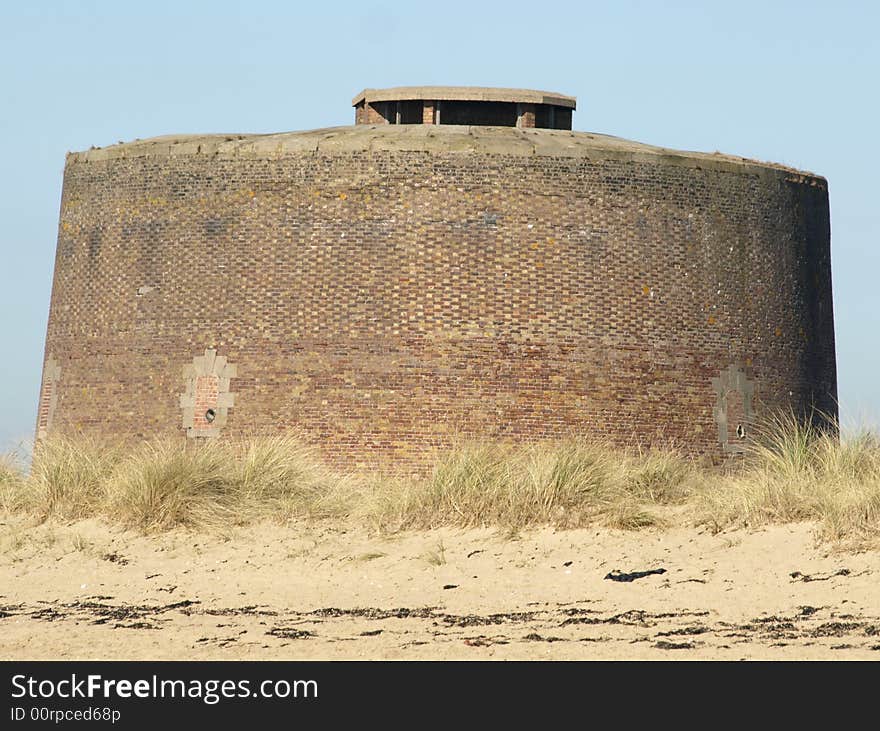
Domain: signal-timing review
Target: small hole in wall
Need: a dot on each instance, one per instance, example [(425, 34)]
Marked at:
[(210, 416), (741, 431)]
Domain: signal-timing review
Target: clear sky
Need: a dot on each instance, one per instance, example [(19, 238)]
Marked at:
[(791, 82)]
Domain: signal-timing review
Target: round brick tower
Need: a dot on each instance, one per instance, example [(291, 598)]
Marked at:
[(458, 263)]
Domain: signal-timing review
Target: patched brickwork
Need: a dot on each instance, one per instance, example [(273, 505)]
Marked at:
[(206, 393), (734, 407), (48, 396), (389, 290), (207, 399)]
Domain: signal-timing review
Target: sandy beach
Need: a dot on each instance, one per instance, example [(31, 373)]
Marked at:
[(314, 590)]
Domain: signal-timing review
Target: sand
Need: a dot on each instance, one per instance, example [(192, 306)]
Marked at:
[(319, 591)]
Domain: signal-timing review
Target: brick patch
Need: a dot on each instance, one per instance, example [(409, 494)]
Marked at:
[(207, 399), (48, 396), (207, 391), (734, 407)]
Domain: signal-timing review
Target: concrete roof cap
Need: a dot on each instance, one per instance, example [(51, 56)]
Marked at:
[(432, 138), (464, 94)]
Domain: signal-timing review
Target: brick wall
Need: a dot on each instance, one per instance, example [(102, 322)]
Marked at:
[(428, 113), (525, 115), (386, 302)]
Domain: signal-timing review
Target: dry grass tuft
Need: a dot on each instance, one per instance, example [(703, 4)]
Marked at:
[(284, 478), (11, 485), (565, 484), (68, 476), (162, 485), (165, 484), (796, 472)]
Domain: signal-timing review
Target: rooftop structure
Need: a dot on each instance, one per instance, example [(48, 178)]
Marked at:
[(468, 105)]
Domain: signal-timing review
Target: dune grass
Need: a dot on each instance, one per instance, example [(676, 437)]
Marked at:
[(12, 493), (566, 484), (795, 471), (791, 472), (164, 484)]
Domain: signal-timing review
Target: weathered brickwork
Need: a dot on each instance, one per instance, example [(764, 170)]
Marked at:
[(48, 396), (386, 301), (369, 115)]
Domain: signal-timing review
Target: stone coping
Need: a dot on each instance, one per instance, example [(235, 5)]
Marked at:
[(432, 138)]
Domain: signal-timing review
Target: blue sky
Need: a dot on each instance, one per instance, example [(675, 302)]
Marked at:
[(792, 82)]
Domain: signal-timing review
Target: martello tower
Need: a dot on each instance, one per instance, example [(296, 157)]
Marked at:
[(458, 263)]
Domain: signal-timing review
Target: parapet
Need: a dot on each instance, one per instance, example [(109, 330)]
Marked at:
[(465, 105)]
